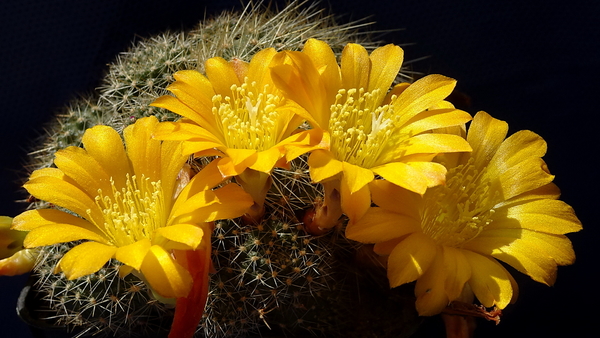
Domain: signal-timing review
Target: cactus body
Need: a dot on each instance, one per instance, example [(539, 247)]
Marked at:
[(272, 278)]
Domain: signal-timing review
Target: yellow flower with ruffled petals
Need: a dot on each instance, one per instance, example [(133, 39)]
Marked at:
[(129, 206), (499, 202), (236, 113), (369, 129)]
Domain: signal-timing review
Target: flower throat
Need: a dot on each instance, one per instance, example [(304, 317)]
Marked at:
[(132, 213), (457, 212)]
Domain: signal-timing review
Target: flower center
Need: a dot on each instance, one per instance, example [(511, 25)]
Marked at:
[(134, 212), (361, 129), (457, 212), (251, 119)]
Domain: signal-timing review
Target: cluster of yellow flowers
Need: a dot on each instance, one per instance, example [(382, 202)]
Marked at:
[(440, 205)]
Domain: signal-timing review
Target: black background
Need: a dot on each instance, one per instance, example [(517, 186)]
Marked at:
[(534, 64)]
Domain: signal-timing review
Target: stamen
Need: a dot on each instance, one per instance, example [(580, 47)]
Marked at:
[(252, 117), (459, 211), (132, 213), (361, 130)]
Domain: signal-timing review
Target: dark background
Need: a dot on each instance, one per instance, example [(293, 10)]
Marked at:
[(533, 64)]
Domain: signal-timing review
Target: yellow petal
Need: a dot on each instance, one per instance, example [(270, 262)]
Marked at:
[(85, 259), (395, 91), (165, 275), (195, 91), (422, 95), (171, 164), (410, 259), (546, 215), (78, 165), (47, 172), (521, 177), (380, 225), (228, 165), (125, 270), (385, 65), (558, 247), (355, 204), (430, 287), (355, 67), (229, 201), (295, 74), (436, 143), (11, 241), (548, 191), (19, 263), (394, 198), (434, 173), (233, 202), (323, 165), (490, 282), (518, 147), (403, 175), (458, 271), (286, 77), (202, 149), (187, 234), (177, 106), (59, 233), (206, 179), (184, 131), (485, 136), (133, 254), (325, 61), (239, 156), (303, 142), (355, 177), (292, 115), (533, 253), (221, 75), (386, 248), (143, 151), (437, 118), (196, 80), (105, 145), (258, 69), (32, 219), (240, 68), (63, 194)]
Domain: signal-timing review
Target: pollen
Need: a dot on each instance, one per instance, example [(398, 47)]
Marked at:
[(252, 118), (132, 212), (458, 212), (362, 130)]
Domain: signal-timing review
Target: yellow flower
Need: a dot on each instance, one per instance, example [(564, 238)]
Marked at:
[(235, 113), (499, 202), (369, 129), (129, 206), (14, 259)]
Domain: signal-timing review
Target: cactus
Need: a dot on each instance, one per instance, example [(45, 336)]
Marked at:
[(100, 302), (272, 278)]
